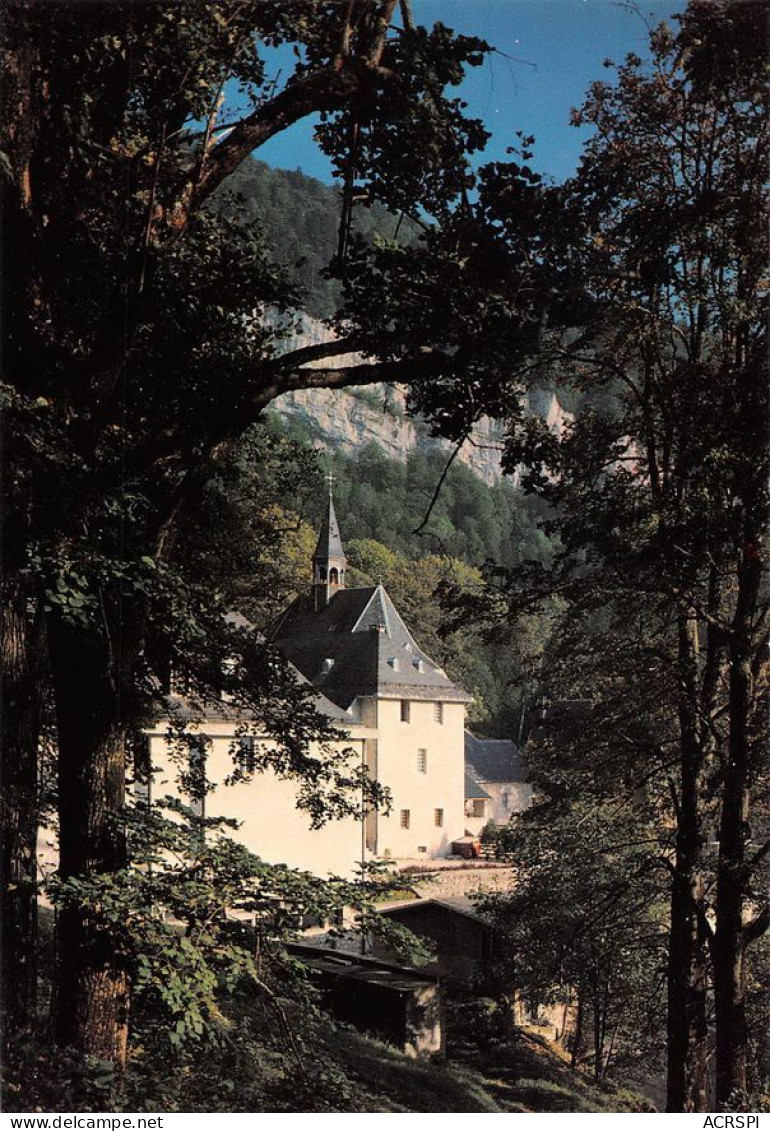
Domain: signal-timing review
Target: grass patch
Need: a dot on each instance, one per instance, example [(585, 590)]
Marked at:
[(399, 1084), (518, 1073)]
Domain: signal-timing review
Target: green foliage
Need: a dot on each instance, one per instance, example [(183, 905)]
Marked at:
[(137, 351), (659, 493), (202, 924), (386, 500), (39, 1078), (586, 924), (520, 1070), (300, 219)]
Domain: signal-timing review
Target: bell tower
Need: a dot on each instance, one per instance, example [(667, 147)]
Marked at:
[(329, 562)]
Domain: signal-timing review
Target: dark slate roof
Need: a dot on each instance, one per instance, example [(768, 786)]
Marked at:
[(359, 645), (329, 543), (494, 759), (184, 708), (218, 710), (473, 790)]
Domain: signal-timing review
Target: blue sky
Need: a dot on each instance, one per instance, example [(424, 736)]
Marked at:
[(556, 50)]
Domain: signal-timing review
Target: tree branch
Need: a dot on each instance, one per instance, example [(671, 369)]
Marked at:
[(383, 23), (407, 14), (367, 373), (455, 452), (323, 89), (319, 351)]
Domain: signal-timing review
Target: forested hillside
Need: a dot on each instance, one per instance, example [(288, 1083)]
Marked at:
[(297, 218), (300, 218), (385, 499)]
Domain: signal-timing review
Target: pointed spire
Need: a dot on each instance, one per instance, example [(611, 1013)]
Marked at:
[(329, 562), (329, 543)]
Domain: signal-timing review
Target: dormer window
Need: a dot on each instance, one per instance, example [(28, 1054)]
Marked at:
[(419, 665), (327, 665), (393, 663)]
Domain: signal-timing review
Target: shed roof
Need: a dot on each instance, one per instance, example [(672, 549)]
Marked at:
[(362, 967), (457, 906)]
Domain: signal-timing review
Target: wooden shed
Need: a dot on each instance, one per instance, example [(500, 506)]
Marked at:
[(401, 1005), (463, 940)]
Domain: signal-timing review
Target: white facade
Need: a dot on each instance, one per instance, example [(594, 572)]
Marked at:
[(422, 764), (395, 708), (504, 800), (419, 761), (265, 805)]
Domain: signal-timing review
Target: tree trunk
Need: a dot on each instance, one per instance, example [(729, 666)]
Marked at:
[(732, 872), (698, 1098), (20, 699), (684, 999), (92, 987), (598, 1034), (577, 1036)]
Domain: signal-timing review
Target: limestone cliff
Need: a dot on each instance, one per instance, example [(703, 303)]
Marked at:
[(348, 420)]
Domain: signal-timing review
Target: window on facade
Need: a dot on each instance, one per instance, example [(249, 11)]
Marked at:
[(405, 710), (194, 782), (422, 848), (246, 754), (140, 752), (406, 818), (438, 818), (438, 712), (478, 807), (422, 761)]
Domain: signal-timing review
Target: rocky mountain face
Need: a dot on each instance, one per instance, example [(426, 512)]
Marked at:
[(298, 219), (348, 420)]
